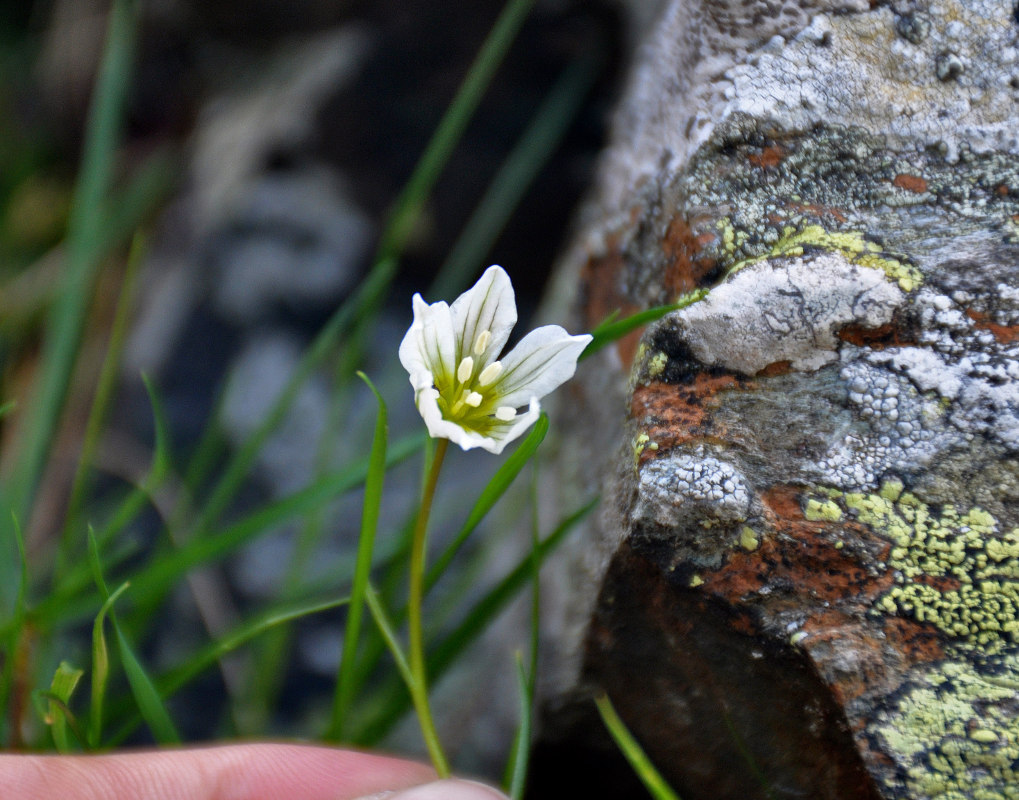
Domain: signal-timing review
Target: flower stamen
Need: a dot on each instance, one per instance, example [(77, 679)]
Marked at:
[(473, 399), (490, 373), (465, 370), (481, 343), (505, 413)]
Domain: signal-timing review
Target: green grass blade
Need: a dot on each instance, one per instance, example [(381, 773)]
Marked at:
[(149, 703), (450, 129), (139, 496), (613, 328), (14, 641), (161, 458), (142, 194), (159, 577), (393, 703), (84, 238), (495, 489), (516, 771), (496, 599), (65, 680), (101, 402), (633, 752), (389, 636), (100, 670), (531, 152), (152, 581), (345, 679), (526, 678), (211, 654), (242, 463), (50, 707)]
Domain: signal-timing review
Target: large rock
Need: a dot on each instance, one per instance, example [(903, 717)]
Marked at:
[(804, 581)]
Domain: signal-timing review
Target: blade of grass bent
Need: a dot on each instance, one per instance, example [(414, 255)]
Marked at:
[(65, 680), (149, 702), (345, 678), (100, 670)]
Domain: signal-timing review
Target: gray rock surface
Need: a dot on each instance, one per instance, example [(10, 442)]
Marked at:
[(802, 579)]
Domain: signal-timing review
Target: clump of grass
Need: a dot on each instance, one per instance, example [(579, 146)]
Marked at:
[(48, 598)]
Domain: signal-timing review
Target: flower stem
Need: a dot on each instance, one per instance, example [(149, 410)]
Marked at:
[(416, 656)]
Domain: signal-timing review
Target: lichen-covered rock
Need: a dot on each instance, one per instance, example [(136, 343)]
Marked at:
[(804, 581)]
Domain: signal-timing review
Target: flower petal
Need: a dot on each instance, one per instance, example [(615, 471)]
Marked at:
[(489, 305), (541, 361), (429, 345), (441, 428)]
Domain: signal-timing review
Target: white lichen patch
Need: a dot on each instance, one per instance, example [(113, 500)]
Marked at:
[(691, 487), (676, 93), (940, 82), (786, 310), (954, 735), (904, 430)]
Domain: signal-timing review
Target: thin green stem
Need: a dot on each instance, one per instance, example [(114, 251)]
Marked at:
[(419, 687)]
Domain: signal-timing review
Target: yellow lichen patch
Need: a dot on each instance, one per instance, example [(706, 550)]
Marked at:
[(641, 443), (696, 581), (656, 364), (955, 735), (850, 244), (822, 511), (748, 539), (955, 570)]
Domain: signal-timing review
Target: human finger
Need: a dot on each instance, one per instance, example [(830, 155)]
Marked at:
[(232, 772)]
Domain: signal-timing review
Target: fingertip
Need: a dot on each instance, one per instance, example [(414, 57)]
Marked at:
[(449, 789)]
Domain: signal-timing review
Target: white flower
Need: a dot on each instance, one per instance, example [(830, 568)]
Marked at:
[(465, 393)]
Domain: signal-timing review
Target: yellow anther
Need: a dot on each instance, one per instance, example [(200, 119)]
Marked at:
[(505, 413), (481, 343), (490, 373), (473, 399), (465, 370)]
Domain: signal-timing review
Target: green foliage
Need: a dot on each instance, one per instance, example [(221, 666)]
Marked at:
[(633, 752), (59, 716), (612, 328), (50, 599)]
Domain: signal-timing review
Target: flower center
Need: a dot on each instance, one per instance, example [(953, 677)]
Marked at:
[(470, 403)]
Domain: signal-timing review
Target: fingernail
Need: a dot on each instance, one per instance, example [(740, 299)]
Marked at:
[(446, 790)]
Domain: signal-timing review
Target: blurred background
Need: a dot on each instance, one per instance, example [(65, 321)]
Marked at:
[(264, 143)]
